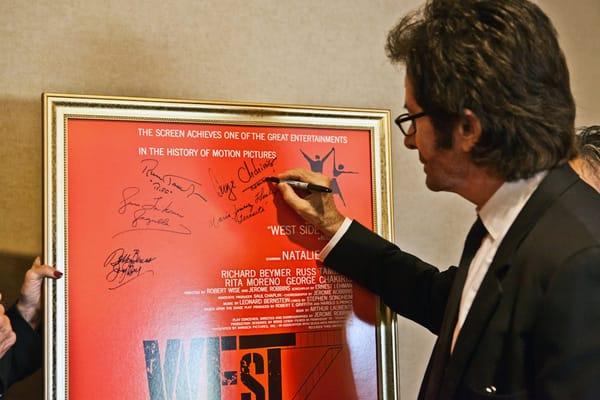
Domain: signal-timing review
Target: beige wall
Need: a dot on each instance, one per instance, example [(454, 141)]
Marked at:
[(292, 51)]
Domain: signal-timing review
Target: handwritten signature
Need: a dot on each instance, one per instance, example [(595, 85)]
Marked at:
[(126, 267), (223, 189), (252, 169), (154, 215), (261, 195), (248, 176), (245, 211), (239, 214), (169, 183)]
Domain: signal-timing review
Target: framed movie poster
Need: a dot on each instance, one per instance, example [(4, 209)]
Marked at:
[(185, 274)]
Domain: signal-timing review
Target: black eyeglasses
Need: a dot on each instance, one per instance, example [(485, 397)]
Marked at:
[(405, 122)]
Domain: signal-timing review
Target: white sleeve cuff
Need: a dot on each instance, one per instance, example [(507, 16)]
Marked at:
[(335, 239)]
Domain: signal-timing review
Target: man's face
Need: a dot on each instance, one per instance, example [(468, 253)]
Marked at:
[(445, 168)]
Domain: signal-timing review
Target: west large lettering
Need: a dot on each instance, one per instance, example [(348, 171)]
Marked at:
[(200, 375)]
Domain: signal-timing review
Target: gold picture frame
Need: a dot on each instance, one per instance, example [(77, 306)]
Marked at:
[(65, 189)]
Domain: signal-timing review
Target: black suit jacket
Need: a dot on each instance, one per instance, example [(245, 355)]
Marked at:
[(533, 331), (24, 357)]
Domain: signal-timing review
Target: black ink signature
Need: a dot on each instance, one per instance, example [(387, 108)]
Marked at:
[(160, 188), (223, 189), (261, 195), (126, 267), (149, 216), (246, 211), (240, 214), (170, 182), (215, 222), (130, 192), (255, 185), (249, 174), (252, 169)]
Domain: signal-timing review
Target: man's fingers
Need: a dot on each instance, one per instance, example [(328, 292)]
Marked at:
[(305, 176), (291, 197)]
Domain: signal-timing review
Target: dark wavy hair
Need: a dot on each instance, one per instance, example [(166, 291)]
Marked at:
[(588, 147), (501, 59)]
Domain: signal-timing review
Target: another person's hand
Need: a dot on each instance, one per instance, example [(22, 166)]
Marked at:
[(316, 208), (30, 301), (7, 336)]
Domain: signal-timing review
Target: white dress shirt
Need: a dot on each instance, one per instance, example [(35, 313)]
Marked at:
[(497, 215)]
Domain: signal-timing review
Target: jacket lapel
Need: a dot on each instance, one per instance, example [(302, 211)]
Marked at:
[(490, 292)]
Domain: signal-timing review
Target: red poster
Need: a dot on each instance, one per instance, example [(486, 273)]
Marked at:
[(190, 279)]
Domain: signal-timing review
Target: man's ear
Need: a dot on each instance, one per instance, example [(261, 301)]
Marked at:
[(469, 130)]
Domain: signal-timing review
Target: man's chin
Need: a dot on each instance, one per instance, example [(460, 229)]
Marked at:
[(433, 184)]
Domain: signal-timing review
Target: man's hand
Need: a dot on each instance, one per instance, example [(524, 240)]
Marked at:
[(316, 208), (30, 301), (7, 336)]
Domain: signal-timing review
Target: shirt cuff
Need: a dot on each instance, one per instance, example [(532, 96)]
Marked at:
[(335, 239)]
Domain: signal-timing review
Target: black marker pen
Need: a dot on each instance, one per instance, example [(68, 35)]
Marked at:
[(299, 185)]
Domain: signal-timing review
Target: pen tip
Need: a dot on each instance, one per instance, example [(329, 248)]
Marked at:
[(272, 179)]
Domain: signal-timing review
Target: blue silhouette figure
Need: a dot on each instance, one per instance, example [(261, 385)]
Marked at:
[(316, 164), (337, 171)]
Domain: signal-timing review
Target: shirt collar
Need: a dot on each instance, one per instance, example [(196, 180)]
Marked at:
[(501, 210)]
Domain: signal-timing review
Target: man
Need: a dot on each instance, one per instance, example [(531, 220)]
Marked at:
[(21, 350), (587, 164), (490, 111)]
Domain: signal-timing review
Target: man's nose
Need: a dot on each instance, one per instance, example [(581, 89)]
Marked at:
[(409, 141)]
